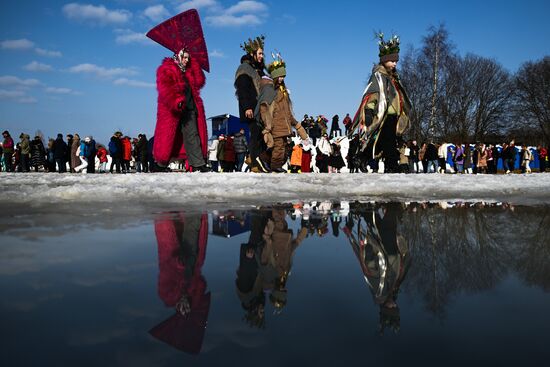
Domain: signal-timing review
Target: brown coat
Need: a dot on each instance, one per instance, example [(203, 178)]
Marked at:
[(278, 119), (280, 244), (482, 159), (422, 152), (75, 160)]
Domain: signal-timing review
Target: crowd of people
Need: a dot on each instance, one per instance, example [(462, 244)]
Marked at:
[(75, 155), (325, 150)]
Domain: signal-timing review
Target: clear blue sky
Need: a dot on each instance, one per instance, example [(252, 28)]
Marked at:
[(87, 67)]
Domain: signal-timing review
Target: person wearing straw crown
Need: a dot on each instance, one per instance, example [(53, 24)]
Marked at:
[(274, 110)]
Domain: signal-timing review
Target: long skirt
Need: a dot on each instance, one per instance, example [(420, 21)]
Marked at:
[(306, 162)]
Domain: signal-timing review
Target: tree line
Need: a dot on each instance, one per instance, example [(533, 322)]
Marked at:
[(472, 98)]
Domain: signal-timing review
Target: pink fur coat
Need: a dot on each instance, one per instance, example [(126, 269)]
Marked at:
[(171, 97)]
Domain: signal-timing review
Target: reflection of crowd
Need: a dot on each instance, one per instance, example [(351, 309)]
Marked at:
[(385, 237)]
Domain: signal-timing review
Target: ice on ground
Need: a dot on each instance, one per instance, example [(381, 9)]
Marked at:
[(195, 189)]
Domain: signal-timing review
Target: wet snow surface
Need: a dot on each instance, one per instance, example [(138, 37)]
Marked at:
[(240, 188)]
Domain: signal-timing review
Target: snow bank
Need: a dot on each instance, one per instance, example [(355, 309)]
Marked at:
[(246, 188)]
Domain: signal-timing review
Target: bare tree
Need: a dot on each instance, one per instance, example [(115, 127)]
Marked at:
[(422, 71), (475, 98), (436, 50), (415, 74), (533, 88)]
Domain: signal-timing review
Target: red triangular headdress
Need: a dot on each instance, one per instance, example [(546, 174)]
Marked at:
[(183, 31)]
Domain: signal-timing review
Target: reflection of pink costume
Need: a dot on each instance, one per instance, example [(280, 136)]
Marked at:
[(183, 332)]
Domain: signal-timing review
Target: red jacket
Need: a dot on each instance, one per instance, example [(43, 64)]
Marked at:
[(171, 99), (543, 153), (229, 154), (102, 155), (126, 149)]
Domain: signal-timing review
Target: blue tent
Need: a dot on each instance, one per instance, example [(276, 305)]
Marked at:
[(227, 124)]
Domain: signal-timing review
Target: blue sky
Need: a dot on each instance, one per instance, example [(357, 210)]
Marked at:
[(87, 67)]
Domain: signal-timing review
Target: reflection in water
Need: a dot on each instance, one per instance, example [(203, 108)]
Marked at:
[(265, 262), (249, 283), (229, 223), (474, 247), (182, 242), (430, 251), (383, 253)]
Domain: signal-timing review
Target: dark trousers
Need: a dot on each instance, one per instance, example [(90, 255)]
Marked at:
[(91, 165), (255, 143), (413, 165), (227, 166), (191, 139), (491, 166), (69, 161), (542, 164), (322, 162), (240, 161), (115, 162), (188, 234), (442, 162), (387, 144), (142, 166), (7, 160), (24, 163), (62, 168)]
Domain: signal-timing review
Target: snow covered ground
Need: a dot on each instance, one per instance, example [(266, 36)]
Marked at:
[(228, 189)]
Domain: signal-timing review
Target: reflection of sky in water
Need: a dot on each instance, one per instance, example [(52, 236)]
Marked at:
[(84, 289)]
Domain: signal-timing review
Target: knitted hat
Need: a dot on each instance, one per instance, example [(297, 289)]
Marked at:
[(389, 50)]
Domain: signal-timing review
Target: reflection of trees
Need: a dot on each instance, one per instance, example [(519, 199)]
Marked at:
[(533, 260), (470, 248), (455, 250)]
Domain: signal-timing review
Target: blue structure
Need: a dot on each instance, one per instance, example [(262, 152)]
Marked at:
[(227, 124), (230, 224)]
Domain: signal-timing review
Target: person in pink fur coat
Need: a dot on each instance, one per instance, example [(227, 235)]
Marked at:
[(181, 131)]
